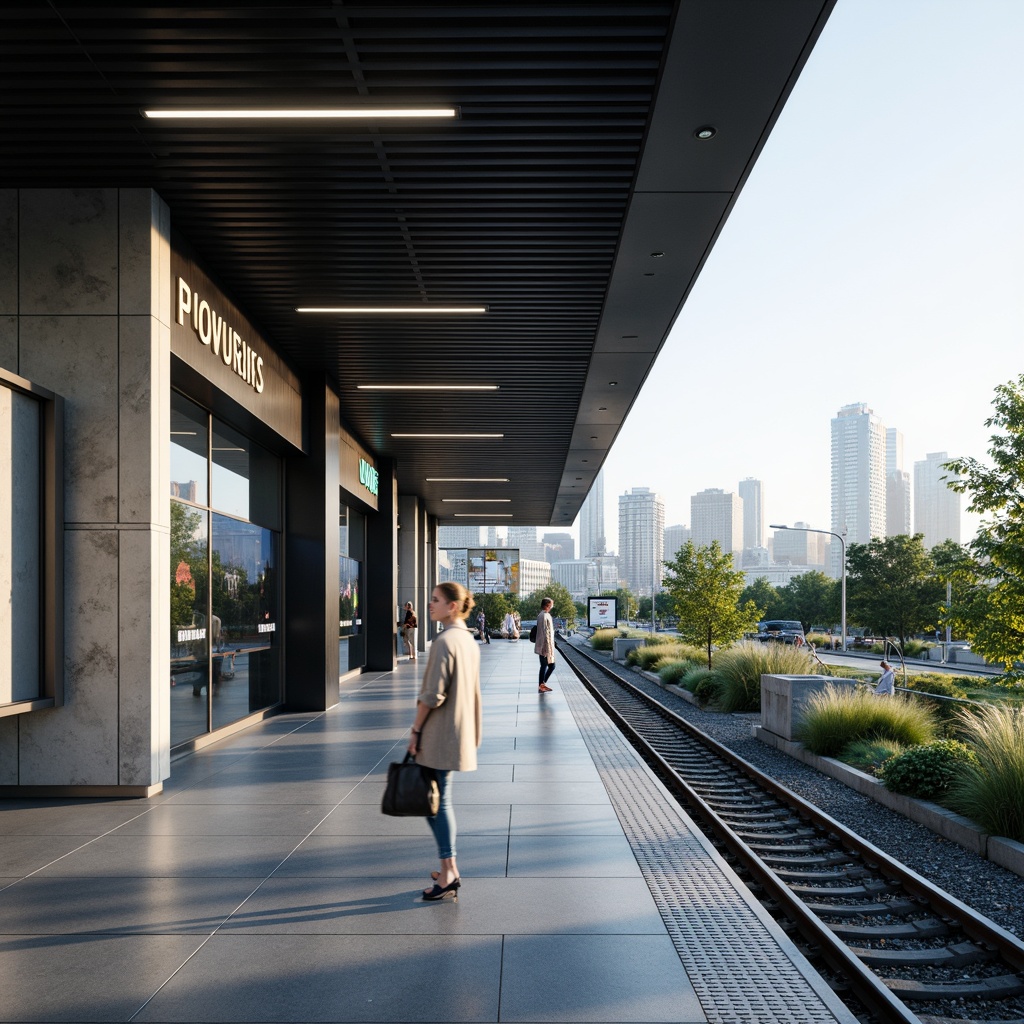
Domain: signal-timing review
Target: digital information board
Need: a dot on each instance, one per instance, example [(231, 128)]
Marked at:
[(602, 612)]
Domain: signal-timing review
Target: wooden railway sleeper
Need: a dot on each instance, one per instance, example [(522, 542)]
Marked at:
[(944, 956), (1003, 987)]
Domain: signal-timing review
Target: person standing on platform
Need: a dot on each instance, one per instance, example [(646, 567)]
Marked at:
[(887, 681), (447, 729), (544, 646), (409, 625), (481, 625), (509, 627)]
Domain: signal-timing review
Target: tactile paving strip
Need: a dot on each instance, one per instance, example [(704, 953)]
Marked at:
[(741, 965)]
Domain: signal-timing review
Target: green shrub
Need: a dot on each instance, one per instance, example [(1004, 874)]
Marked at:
[(602, 639), (927, 772), (690, 679), (672, 672), (868, 754), (837, 716), (740, 669), (708, 687), (992, 790)]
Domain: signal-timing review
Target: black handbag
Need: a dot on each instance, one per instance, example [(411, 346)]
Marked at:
[(411, 791)]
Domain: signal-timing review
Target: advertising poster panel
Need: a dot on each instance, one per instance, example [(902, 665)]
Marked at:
[(602, 612)]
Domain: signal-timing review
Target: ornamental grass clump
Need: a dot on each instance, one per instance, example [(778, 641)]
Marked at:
[(650, 657), (740, 669), (837, 716), (928, 772), (869, 755), (991, 792), (602, 639)]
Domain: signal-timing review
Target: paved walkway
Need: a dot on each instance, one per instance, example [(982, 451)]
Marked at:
[(264, 884)]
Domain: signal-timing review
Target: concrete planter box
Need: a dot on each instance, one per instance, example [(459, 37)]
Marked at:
[(783, 699), (622, 645)]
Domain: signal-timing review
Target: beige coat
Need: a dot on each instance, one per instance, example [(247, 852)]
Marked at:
[(451, 686), (545, 642)]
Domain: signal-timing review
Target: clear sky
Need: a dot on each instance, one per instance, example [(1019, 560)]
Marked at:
[(876, 254)]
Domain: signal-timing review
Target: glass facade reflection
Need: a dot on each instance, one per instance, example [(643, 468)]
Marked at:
[(351, 648), (225, 574)]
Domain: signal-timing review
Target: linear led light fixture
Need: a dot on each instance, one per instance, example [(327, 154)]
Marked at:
[(393, 310), (479, 501), (466, 479), (327, 114), (447, 435), (426, 387), (476, 515)]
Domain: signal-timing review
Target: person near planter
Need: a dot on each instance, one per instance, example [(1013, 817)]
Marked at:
[(887, 681), (447, 729)]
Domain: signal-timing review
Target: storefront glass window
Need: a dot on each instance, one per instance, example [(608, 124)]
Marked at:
[(245, 667), (351, 648), (20, 540), (189, 450), (190, 634), (225, 574)]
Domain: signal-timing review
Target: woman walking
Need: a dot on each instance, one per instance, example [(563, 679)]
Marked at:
[(446, 732), (409, 624)]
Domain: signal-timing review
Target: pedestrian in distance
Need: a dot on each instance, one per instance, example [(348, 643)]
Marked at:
[(481, 625), (508, 628), (409, 626), (886, 682), (447, 729), (544, 645)]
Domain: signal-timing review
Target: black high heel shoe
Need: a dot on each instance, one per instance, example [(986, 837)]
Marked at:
[(438, 892)]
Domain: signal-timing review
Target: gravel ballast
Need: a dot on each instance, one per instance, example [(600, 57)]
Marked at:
[(982, 885)]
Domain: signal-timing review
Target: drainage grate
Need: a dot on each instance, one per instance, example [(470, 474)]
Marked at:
[(710, 916)]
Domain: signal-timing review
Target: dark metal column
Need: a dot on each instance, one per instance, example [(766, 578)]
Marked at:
[(380, 616), (312, 494)]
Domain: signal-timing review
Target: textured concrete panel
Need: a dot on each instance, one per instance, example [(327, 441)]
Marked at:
[(77, 357), (68, 251), (143, 680), (8, 339), (9, 751), (76, 745), (8, 254), (138, 252), (144, 421)]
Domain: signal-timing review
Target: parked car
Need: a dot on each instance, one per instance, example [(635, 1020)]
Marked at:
[(785, 631)]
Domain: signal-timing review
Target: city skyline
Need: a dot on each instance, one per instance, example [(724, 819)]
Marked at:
[(874, 256)]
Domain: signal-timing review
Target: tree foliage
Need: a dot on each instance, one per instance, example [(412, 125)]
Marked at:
[(706, 592), (988, 606), (811, 597), (891, 586), (765, 597), (563, 608)]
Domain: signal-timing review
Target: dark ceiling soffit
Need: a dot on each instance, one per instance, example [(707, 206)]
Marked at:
[(681, 201)]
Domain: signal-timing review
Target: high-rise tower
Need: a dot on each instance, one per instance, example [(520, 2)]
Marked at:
[(752, 496), (718, 515), (936, 507), (641, 539), (858, 478), (592, 535)]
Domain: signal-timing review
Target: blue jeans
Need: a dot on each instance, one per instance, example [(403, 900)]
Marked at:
[(443, 823), (546, 668)]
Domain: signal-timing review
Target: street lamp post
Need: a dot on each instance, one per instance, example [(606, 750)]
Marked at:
[(842, 540)]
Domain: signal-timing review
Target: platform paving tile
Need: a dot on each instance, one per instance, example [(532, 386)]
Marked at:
[(358, 978), (265, 884)]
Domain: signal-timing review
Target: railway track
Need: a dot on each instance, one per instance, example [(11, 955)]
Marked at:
[(905, 949)]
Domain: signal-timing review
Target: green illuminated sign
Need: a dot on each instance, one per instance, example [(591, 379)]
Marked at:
[(368, 476)]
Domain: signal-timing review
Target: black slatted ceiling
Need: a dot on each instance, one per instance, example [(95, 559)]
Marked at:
[(519, 205)]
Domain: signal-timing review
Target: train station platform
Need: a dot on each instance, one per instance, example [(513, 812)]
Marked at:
[(264, 884)]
